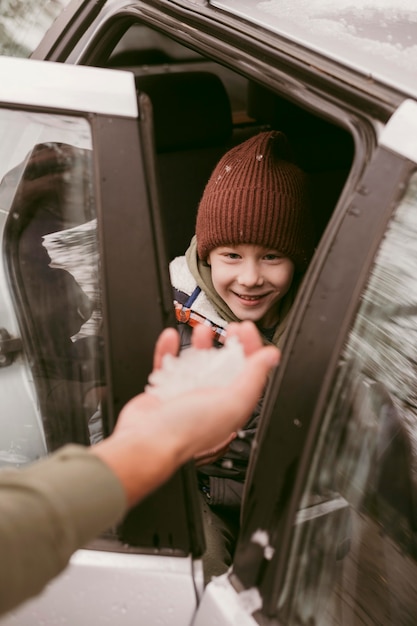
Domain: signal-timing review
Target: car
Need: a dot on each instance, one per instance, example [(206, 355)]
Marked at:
[(112, 116)]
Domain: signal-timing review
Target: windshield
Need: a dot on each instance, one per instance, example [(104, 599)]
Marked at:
[(375, 37), (24, 24)]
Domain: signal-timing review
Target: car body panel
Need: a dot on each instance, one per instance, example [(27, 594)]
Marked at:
[(223, 606), (399, 135), (94, 85), (138, 590)]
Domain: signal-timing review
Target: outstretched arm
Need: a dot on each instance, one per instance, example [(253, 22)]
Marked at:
[(55, 506)]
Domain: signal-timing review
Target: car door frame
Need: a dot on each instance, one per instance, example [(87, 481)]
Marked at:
[(292, 419)]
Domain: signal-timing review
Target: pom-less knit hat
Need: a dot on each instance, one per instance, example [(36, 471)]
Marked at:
[(256, 194)]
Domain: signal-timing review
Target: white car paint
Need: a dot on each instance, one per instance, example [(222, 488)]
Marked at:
[(104, 588), (75, 88)]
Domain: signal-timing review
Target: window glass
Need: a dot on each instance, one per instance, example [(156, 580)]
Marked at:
[(354, 550), (24, 24), (50, 299)]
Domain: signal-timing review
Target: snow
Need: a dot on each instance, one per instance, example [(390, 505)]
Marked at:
[(377, 38), (196, 369)]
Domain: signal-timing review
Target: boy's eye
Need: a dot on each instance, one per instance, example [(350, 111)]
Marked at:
[(271, 257), (232, 255)]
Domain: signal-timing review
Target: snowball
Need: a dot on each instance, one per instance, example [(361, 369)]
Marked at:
[(196, 369)]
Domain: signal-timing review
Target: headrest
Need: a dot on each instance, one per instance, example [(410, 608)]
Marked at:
[(190, 109)]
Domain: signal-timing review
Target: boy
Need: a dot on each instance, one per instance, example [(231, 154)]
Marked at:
[(252, 244)]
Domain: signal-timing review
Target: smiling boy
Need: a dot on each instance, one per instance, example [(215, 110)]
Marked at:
[(252, 244), (251, 279)]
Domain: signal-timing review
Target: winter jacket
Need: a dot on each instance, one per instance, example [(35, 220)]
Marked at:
[(223, 480), (47, 511)]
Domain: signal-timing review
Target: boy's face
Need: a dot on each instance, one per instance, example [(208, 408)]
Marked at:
[(251, 280)]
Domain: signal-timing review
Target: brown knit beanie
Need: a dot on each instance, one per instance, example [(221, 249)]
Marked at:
[(256, 194)]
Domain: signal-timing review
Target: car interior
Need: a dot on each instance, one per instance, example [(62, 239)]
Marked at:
[(210, 109)]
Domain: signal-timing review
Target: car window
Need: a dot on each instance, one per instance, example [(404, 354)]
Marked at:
[(354, 557), (50, 289), (25, 22)]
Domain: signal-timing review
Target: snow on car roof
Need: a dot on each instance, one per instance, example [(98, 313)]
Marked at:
[(377, 38)]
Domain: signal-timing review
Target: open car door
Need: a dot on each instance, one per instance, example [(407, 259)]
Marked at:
[(81, 245)]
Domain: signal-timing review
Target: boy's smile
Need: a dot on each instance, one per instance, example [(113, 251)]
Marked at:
[(251, 279)]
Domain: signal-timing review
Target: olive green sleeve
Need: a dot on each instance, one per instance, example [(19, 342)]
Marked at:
[(47, 511)]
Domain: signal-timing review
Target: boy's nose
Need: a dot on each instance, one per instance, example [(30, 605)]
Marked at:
[(250, 276)]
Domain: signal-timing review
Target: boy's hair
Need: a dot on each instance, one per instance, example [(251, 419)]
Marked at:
[(256, 194)]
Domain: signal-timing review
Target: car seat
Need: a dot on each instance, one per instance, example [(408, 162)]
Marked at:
[(192, 130)]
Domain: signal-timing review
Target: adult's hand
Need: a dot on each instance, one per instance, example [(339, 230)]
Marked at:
[(153, 437)]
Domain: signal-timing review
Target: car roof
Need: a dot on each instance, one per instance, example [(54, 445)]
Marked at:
[(377, 38)]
